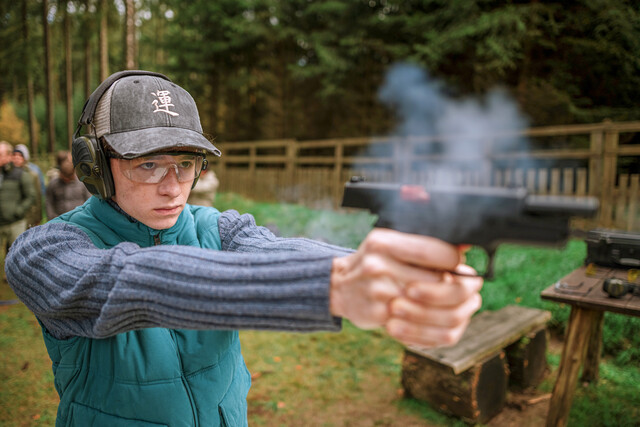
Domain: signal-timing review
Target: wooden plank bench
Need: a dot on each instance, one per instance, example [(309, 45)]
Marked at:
[(470, 379)]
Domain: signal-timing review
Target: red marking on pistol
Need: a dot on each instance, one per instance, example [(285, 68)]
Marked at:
[(414, 193)]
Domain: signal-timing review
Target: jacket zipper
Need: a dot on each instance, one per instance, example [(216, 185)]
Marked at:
[(184, 382), (157, 241), (223, 421)]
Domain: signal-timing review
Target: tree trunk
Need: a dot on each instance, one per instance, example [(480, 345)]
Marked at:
[(88, 32), (130, 35), (51, 137), (33, 137), (33, 132), (214, 84), (68, 74), (104, 40), (161, 57)]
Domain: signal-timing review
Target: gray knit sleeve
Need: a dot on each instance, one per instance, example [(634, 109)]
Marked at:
[(239, 233), (257, 282)]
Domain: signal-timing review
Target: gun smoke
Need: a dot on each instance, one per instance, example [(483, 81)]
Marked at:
[(442, 140), (456, 132)]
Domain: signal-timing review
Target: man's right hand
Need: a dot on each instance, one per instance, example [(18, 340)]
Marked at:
[(407, 284)]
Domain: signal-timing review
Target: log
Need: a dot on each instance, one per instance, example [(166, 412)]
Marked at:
[(470, 379), (476, 395), (527, 359)]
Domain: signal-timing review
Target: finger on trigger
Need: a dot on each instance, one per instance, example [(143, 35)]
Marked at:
[(462, 250), (422, 251)]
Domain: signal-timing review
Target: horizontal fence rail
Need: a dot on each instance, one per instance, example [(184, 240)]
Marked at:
[(598, 160)]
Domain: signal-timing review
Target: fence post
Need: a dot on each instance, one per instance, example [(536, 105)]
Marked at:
[(337, 173), (633, 197), (609, 166), (252, 159), (488, 161), (253, 152), (596, 168), (290, 168), (595, 162), (221, 168), (402, 159)]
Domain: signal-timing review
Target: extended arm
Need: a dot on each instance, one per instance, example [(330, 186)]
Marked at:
[(258, 281), (398, 281), (76, 289)]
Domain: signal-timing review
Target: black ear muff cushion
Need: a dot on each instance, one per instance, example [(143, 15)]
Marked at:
[(91, 167)]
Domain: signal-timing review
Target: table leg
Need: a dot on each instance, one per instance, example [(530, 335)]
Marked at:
[(591, 365), (576, 341)]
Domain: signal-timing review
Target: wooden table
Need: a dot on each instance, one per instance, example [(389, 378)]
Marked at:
[(582, 290)]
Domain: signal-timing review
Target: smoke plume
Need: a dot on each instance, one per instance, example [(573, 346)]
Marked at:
[(460, 131)]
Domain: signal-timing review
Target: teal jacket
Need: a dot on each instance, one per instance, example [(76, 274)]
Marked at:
[(153, 376)]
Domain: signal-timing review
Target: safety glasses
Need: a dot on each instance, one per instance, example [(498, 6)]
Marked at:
[(153, 168)]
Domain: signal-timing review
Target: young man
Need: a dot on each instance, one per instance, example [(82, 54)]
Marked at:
[(140, 295)]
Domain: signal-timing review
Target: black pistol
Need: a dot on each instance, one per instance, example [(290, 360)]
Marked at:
[(472, 215)]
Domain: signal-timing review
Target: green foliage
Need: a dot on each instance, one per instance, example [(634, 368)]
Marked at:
[(522, 273), (12, 129), (613, 401), (60, 121), (263, 69)]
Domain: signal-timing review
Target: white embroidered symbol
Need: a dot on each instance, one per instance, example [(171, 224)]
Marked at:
[(163, 102)]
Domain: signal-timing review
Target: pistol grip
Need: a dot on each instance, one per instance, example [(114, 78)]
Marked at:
[(488, 274)]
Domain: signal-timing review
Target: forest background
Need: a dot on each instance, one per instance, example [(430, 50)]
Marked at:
[(311, 69)]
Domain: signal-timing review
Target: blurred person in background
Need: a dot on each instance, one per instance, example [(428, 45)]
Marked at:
[(17, 196), (24, 151), (204, 193), (64, 192), (20, 159)]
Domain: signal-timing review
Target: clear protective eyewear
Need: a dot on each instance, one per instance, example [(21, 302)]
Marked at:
[(153, 168)]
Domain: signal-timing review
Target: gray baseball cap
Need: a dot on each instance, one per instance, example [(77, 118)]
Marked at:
[(142, 114)]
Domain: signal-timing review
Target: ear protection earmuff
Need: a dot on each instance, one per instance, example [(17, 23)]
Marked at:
[(89, 160), (92, 166)]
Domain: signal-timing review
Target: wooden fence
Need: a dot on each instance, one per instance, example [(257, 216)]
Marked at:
[(594, 159)]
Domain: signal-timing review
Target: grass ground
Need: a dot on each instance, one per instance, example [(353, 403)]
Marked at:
[(27, 396), (352, 378)]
